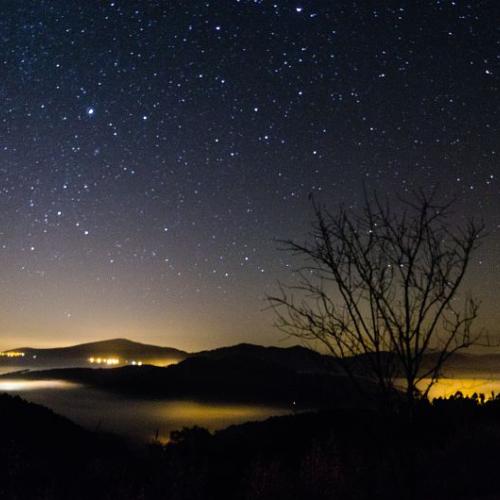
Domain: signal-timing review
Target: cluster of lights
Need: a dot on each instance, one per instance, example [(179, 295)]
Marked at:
[(110, 361), (104, 361), (12, 354)]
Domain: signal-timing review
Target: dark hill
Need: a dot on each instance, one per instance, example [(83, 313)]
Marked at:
[(43, 454), (464, 363), (296, 358), (233, 378), (78, 355), (461, 364)]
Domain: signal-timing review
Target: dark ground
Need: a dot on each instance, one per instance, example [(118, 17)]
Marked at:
[(450, 450)]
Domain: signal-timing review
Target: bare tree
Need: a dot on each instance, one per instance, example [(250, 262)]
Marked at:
[(381, 285)]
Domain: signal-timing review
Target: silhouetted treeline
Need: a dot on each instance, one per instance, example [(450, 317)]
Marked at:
[(448, 451)]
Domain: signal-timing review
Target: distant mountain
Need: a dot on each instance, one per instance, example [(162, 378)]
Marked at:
[(461, 364), (240, 372), (302, 359), (464, 363), (120, 352), (297, 358), (102, 353)]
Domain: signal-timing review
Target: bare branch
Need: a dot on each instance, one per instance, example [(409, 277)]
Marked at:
[(383, 284)]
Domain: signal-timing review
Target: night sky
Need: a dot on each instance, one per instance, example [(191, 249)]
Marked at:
[(151, 152)]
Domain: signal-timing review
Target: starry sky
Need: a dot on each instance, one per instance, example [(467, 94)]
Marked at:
[(152, 151)]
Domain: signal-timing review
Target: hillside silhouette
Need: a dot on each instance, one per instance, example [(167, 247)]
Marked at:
[(232, 377), (78, 355), (44, 455), (296, 376), (297, 358)]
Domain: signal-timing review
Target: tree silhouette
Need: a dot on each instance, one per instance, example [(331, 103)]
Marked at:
[(380, 286)]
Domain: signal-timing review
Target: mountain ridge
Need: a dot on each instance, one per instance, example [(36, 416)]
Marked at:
[(118, 341), (296, 357), (121, 350)]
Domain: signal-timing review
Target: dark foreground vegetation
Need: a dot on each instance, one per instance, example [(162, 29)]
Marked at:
[(449, 450)]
